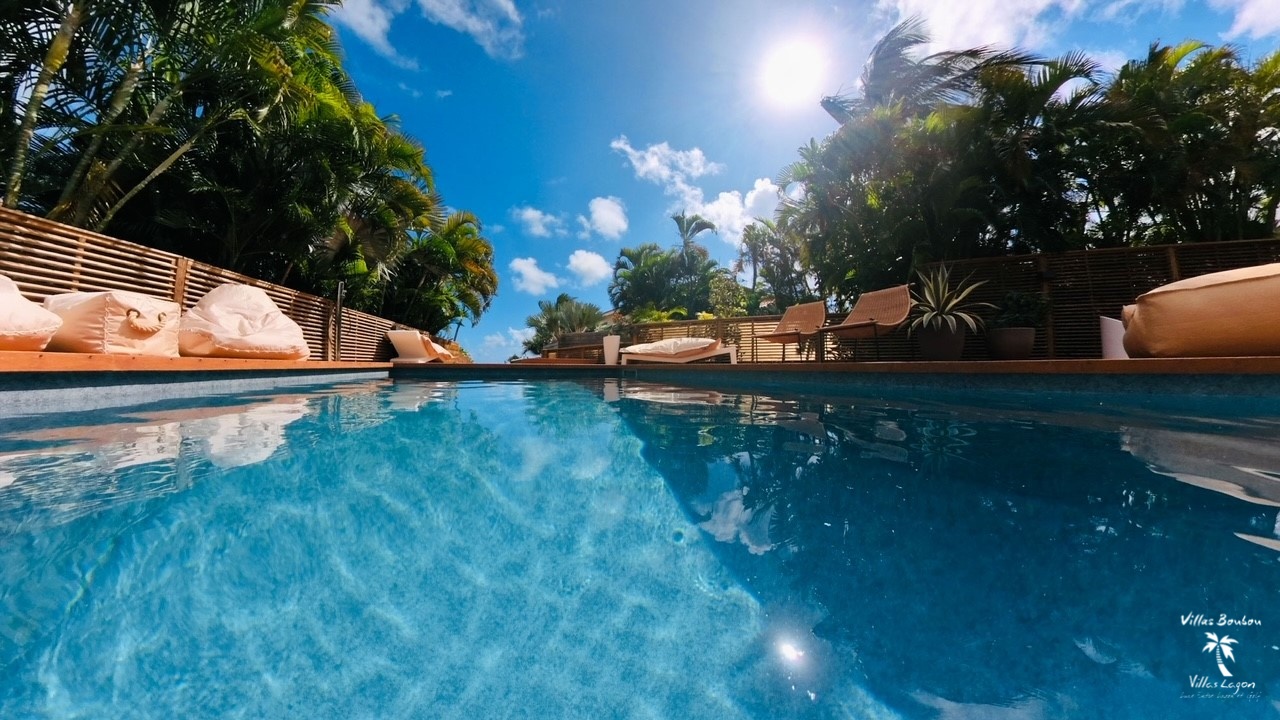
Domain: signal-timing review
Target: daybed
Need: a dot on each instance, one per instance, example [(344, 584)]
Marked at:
[(678, 350)]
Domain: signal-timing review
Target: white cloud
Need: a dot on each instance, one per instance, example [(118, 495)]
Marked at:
[(672, 169), (371, 20), (442, 94), (536, 222), (495, 24), (1110, 60), (411, 91), (591, 268), (504, 345), (532, 279), (1129, 10), (1255, 18), (1004, 23), (608, 218), (731, 212)]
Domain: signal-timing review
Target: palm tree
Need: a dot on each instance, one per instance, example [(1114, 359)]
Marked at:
[(59, 49), (893, 77), (554, 319), (1220, 648), (643, 277), (695, 268)]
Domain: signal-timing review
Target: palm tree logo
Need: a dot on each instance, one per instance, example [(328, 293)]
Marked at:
[(1220, 648)]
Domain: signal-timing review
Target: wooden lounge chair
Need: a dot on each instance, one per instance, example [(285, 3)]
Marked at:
[(413, 348), (798, 324), (678, 350), (876, 313)]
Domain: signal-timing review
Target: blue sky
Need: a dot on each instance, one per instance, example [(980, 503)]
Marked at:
[(574, 128)]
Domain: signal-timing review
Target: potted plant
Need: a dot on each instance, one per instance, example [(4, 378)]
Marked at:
[(1012, 331), (942, 314)]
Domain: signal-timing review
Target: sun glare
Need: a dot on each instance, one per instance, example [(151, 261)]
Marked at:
[(794, 73)]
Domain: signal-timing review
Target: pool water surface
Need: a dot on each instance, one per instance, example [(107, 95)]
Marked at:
[(603, 548)]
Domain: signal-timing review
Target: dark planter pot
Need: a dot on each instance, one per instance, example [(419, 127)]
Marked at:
[(1011, 343), (942, 343)]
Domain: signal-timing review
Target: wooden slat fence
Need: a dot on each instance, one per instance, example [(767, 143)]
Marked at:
[(45, 258), (1082, 286)]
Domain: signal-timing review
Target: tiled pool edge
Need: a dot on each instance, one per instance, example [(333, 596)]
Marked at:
[(1226, 377), (27, 393)]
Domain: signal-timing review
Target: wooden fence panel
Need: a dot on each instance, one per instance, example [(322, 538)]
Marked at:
[(46, 258), (370, 342)]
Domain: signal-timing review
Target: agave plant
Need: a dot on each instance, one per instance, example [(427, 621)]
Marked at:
[(938, 303)]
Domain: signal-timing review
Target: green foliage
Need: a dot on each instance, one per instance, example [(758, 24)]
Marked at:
[(727, 297), (938, 303), (974, 153), (229, 133), (1019, 309), (565, 315), (649, 279)]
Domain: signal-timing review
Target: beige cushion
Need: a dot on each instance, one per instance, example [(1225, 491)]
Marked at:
[(240, 321), (1222, 314), (24, 325), (673, 347), (115, 322)]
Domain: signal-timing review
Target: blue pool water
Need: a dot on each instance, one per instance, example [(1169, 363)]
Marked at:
[(606, 549)]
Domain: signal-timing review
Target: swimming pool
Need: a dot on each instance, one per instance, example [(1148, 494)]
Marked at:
[(604, 548)]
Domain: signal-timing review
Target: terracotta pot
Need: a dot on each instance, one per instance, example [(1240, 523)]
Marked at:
[(942, 343), (1011, 343)]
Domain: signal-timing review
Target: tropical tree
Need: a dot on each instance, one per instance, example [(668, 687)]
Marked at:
[(779, 255), (976, 153), (445, 276), (694, 268), (229, 133), (642, 278), (554, 319)]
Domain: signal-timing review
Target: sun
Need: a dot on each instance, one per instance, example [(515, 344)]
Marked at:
[(794, 73)]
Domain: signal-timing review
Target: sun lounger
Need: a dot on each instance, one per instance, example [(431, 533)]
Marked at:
[(798, 324), (876, 313), (678, 350), (413, 348)]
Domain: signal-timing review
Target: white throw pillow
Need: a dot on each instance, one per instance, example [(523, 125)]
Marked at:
[(24, 325)]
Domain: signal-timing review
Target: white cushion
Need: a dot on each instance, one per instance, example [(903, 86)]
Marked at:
[(115, 322), (673, 346), (24, 325), (240, 321)]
